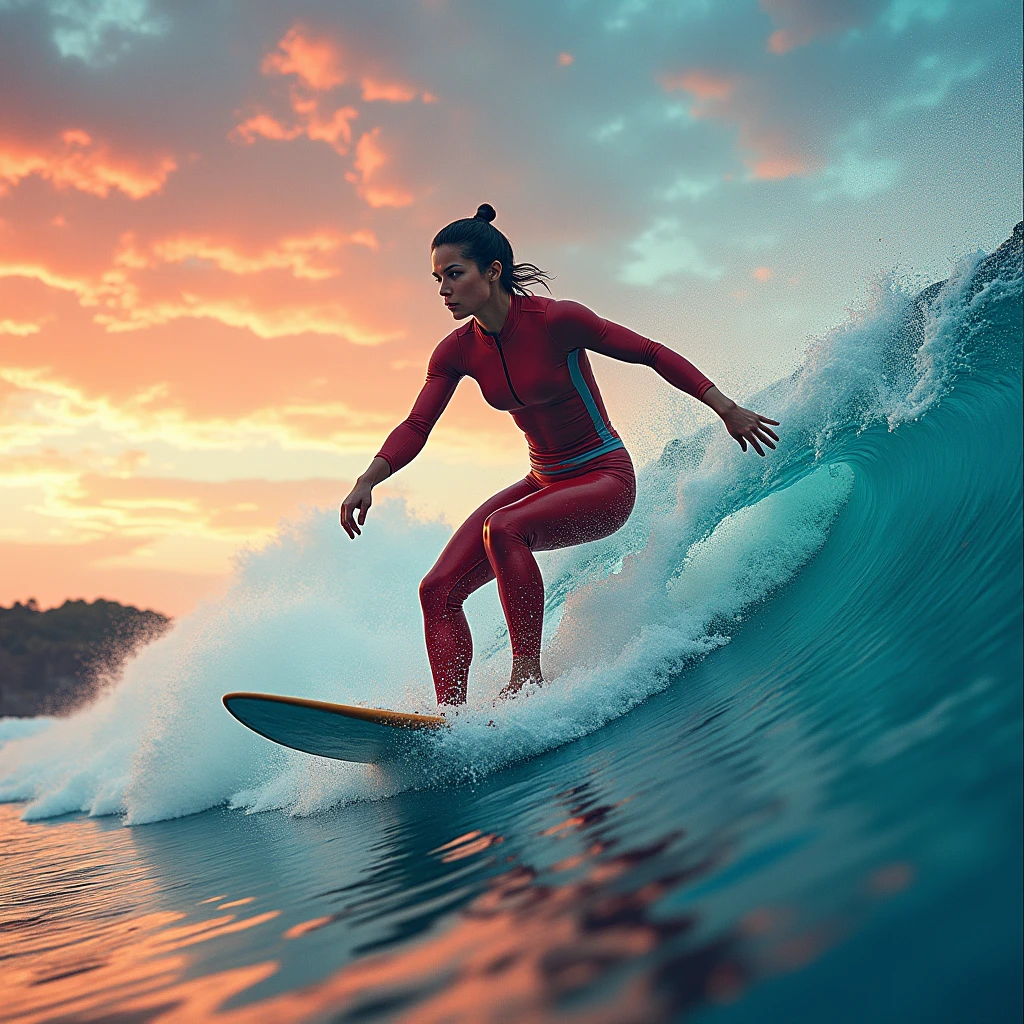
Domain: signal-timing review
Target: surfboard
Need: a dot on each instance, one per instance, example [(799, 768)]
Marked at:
[(341, 731)]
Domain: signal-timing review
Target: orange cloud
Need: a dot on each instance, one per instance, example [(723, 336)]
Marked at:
[(565, 59), (125, 299), (315, 61), (129, 312), (76, 161), (731, 100), (379, 196), (334, 128), (370, 158), (243, 311), (702, 85), (19, 328), (232, 510), (41, 406), (316, 65), (267, 411), (393, 92), (267, 127), (802, 21), (782, 41), (775, 168), (89, 292), (296, 254), (33, 469), (762, 274)]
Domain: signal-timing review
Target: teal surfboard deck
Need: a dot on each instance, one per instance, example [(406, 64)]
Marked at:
[(341, 731)]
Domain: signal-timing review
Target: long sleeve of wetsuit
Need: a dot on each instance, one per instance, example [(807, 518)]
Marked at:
[(573, 325), (444, 371)]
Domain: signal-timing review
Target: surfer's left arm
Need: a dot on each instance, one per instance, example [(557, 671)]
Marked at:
[(573, 325)]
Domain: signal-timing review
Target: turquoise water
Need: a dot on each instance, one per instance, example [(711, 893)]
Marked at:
[(776, 773)]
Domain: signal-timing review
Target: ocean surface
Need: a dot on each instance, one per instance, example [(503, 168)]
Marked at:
[(775, 773)]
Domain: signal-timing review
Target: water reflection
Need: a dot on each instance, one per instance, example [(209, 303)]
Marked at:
[(527, 948), (582, 932)]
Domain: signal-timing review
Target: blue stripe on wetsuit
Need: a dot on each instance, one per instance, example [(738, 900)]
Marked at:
[(609, 442)]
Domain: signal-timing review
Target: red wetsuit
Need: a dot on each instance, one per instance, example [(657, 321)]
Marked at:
[(581, 486)]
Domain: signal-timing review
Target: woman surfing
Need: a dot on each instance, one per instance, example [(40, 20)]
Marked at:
[(529, 356)]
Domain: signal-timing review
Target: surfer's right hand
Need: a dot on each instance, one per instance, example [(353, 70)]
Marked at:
[(360, 498)]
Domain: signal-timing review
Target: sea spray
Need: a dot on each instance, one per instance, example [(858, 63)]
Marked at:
[(310, 614)]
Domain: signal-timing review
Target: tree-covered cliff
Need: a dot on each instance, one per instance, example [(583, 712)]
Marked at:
[(53, 661)]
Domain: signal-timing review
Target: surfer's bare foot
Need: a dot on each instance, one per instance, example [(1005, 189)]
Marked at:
[(524, 670)]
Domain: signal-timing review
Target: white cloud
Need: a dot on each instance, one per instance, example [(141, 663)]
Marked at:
[(662, 252), (690, 188), (935, 76), (855, 177), (902, 12), (610, 130), (97, 30), (624, 14)]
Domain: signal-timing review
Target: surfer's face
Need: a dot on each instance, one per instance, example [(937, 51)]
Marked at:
[(464, 288)]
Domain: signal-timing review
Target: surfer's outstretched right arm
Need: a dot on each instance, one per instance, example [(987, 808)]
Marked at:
[(406, 441), (360, 498)]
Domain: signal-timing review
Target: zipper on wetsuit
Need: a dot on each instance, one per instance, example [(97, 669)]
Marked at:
[(504, 366)]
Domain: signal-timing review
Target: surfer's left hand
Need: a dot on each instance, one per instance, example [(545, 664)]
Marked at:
[(744, 425)]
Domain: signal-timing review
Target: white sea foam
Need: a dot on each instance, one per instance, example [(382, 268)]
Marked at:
[(18, 728)]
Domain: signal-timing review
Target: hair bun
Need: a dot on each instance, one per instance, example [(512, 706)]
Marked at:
[(485, 212)]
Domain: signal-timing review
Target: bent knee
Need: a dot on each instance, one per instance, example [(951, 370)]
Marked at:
[(502, 528), (434, 590)]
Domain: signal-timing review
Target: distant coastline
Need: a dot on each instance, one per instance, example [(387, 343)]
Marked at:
[(54, 661)]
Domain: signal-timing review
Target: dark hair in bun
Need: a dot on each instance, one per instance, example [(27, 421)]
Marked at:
[(478, 241)]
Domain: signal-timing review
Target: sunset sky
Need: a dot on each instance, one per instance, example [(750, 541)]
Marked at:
[(215, 217)]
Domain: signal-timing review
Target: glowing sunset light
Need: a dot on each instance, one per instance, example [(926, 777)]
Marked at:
[(77, 162)]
